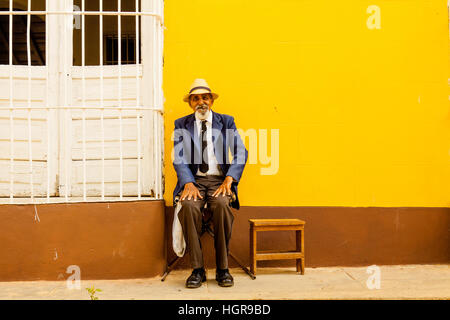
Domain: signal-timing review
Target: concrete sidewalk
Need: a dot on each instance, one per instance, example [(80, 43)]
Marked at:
[(397, 282)]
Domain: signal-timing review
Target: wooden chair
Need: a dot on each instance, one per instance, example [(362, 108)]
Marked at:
[(277, 225)]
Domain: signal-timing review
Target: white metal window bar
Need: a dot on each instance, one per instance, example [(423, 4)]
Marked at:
[(149, 107)]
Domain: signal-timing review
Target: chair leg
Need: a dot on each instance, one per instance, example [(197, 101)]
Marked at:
[(251, 275), (170, 267)]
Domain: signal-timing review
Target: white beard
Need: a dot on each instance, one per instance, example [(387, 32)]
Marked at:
[(201, 116)]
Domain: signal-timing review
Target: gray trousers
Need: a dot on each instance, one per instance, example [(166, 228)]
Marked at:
[(190, 217)]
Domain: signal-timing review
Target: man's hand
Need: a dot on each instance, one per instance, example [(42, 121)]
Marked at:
[(225, 187), (190, 191)]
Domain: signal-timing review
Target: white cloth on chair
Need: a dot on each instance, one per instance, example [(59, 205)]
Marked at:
[(178, 242)]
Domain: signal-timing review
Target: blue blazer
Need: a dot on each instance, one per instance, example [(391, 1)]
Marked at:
[(226, 140)]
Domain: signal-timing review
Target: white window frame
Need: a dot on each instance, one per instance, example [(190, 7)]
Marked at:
[(60, 110)]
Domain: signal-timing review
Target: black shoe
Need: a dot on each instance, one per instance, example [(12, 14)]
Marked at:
[(224, 278), (196, 278)]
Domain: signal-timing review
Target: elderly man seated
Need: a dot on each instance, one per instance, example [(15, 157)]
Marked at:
[(203, 143)]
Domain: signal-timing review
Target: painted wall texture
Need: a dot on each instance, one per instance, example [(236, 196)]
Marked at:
[(358, 91)]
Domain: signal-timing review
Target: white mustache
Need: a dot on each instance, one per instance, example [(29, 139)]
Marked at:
[(201, 106)]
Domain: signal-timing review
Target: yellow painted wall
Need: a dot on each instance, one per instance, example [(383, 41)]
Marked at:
[(363, 115)]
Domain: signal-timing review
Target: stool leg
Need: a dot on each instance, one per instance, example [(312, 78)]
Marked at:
[(303, 251), (252, 250), (300, 248)]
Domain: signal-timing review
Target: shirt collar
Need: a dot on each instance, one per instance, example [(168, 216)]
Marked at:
[(208, 119)]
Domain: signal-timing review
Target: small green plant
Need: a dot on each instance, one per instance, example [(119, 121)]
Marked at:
[(92, 291)]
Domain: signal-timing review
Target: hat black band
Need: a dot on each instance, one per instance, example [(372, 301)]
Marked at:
[(195, 88)]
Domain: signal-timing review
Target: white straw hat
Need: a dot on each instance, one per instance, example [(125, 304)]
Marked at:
[(199, 86)]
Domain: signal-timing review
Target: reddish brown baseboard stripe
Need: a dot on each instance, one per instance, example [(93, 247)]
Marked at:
[(342, 236), (115, 240)]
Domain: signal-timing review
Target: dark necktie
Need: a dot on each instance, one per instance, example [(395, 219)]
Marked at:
[(204, 167)]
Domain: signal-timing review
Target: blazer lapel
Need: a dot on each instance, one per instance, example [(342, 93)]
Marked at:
[(216, 122), (217, 137)]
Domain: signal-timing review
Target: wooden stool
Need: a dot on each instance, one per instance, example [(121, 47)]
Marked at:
[(277, 225)]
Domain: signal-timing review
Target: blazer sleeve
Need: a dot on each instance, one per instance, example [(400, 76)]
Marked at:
[(182, 156), (238, 151)]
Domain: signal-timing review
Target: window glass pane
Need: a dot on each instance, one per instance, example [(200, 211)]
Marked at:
[(124, 50), (37, 5), (91, 5), (92, 45), (110, 5), (110, 31), (109, 50), (115, 51), (37, 39), (131, 49)]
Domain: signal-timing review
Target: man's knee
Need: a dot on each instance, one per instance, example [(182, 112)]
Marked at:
[(190, 206), (220, 202)]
